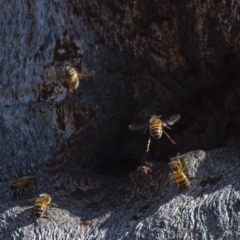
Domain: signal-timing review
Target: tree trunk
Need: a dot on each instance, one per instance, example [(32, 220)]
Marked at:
[(149, 58)]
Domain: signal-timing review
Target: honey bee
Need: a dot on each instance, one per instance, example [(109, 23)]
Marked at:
[(19, 185), (179, 174), (42, 204), (156, 127), (70, 74), (73, 77)]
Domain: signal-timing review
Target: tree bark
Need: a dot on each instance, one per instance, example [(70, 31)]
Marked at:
[(150, 57)]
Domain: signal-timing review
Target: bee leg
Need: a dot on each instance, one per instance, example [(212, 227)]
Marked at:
[(148, 144), (166, 126), (47, 217), (169, 137), (190, 177), (53, 204)]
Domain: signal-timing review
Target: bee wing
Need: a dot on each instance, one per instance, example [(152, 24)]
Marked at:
[(188, 166), (138, 126), (57, 73), (10, 175), (32, 200), (171, 120), (85, 73), (51, 71), (60, 73)]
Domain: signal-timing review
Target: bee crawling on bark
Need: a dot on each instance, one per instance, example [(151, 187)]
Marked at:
[(41, 206), (156, 127), (70, 77), (73, 77), (19, 185), (179, 174)]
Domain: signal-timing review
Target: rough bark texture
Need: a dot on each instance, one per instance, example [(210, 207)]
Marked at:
[(150, 57)]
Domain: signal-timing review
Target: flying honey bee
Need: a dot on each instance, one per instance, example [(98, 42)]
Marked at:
[(179, 174), (72, 76), (42, 204), (156, 127), (19, 185)]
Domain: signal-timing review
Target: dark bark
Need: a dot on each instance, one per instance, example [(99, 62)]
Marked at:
[(150, 57)]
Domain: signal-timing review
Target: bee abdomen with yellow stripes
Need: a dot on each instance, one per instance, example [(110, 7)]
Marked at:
[(178, 173), (156, 131), (39, 209), (181, 180)]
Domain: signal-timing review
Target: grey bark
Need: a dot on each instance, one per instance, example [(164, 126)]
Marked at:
[(150, 57), (146, 204)]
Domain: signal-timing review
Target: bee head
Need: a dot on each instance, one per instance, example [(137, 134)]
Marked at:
[(46, 197), (69, 70), (175, 164)]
